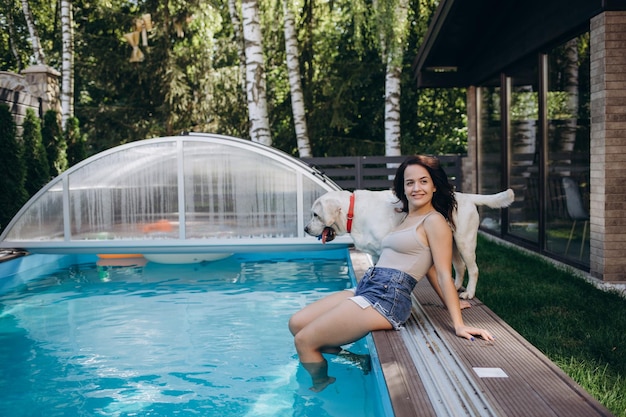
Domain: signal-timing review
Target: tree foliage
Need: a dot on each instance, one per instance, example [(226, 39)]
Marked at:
[(190, 77), (15, 52)]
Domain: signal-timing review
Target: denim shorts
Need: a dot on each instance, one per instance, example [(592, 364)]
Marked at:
[(389, 292)]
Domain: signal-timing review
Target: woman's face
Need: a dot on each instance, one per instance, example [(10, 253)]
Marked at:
[(418, 187)]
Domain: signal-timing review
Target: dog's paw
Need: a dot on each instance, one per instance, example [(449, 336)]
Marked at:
[(466, 295)]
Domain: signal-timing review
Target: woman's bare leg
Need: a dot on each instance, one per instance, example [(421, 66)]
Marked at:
[(312, 311), (345, 323), (316, 309)]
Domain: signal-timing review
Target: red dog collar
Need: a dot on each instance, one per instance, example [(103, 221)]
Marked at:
[(350, 213)]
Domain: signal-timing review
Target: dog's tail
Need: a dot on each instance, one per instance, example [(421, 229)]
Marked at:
[(499, 200)]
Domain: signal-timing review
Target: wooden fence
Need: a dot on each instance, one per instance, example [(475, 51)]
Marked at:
[(375, 172)]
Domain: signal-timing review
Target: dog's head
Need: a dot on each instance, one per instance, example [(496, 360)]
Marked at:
[(328, 219)]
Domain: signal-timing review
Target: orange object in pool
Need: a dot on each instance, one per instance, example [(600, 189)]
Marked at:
[(119, 255), (158, 226), (121, 259)]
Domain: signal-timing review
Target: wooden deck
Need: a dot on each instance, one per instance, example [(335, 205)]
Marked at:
[(430, 371)]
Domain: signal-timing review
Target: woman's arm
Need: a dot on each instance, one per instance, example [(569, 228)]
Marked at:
[(439, 237), (432, 279)]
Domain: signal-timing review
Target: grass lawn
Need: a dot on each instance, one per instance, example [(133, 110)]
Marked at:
[(579, 327)]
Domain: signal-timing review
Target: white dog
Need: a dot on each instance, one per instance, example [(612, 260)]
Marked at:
[(374, 216)]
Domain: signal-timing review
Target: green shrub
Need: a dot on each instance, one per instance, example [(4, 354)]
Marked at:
[(35, 156), (12, 169)]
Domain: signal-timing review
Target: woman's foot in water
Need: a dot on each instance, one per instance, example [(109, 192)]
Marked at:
[(319, 375)]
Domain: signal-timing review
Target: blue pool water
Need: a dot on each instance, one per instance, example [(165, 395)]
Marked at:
[(207, 339)]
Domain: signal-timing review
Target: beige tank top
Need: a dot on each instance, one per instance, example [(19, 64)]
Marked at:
[(402, 250)]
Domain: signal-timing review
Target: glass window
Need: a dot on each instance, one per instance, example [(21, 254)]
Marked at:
[(523, 139), (567, 216), (489, 152)]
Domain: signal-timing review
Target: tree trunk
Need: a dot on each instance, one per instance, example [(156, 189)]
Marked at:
[(392, 109), (67, 83), (295, 83), (393, 28), (255, 74), (524, 129), (34, 36), (568, 139), (238, 39)]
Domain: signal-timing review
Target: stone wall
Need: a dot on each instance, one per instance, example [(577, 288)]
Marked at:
[(37, 88)]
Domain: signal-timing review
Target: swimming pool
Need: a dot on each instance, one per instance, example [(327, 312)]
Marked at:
[(80, 336)]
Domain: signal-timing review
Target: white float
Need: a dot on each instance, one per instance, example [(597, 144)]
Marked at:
[(185, 258)]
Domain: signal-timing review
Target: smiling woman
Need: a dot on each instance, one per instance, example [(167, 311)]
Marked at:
[(420, 244)]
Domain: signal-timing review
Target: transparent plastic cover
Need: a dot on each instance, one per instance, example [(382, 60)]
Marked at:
[(168, 190)]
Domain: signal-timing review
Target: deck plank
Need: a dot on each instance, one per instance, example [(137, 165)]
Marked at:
[(533, 385), (407, 393)]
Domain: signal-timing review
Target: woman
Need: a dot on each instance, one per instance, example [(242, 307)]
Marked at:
[(382, 300)]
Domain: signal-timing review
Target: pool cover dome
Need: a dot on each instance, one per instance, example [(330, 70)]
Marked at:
[(194, 193)]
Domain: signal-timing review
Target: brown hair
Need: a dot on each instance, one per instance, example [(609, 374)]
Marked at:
[(443, 199)]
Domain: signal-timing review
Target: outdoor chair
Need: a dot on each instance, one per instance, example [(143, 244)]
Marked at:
[(575, 210)]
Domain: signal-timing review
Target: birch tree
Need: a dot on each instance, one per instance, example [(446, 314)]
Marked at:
[(524, 117), (295, 84), (570, 72), (67, 82), (255, 74), (393, 27), (38, 54), (566, 102)]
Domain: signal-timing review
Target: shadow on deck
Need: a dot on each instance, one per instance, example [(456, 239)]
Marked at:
[(430, 371)]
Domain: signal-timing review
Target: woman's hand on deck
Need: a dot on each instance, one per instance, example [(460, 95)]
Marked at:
[(469, 333)]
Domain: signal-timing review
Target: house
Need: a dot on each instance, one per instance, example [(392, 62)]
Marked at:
[(546, 104)]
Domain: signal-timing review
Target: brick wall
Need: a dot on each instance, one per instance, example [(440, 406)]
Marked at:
[(608, 146)]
